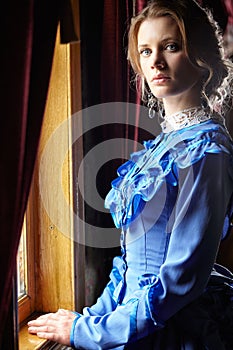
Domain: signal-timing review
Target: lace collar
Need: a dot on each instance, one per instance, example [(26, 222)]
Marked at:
[(188, 117)]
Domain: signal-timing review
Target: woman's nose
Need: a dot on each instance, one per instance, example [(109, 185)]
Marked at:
[(158, 61)]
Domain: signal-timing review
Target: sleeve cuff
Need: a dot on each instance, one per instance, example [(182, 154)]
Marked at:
[(72, 330)]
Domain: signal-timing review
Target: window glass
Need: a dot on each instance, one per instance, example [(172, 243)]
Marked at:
[(22, 264)]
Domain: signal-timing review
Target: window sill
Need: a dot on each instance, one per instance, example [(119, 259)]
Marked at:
[(29, 341)]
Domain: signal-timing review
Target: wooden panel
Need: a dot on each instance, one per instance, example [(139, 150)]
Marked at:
[(54, 248)]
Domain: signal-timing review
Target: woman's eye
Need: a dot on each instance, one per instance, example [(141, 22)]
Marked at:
[(172, 47), (145, 52)]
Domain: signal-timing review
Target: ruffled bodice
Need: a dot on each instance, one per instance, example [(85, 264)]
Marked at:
[(140, 178), (171, 200)]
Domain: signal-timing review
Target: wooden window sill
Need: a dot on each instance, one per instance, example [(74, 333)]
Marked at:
[(29, 341)]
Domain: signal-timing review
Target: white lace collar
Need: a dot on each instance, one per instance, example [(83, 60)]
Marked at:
[(188, 117)]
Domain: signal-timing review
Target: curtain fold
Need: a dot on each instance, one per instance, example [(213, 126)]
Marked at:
[(28, 31), (106, 79)]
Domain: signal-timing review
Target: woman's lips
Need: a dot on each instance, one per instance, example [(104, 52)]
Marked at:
[(160, 79)]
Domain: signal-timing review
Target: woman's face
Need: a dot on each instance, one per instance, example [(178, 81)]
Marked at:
[(164, 63)]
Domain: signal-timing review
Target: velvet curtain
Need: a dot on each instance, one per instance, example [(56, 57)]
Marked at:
[(28, 31), (106, 78)]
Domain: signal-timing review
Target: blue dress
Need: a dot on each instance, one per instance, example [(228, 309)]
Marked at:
[(173, 203)]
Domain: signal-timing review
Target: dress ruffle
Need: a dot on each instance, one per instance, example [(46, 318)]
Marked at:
[(140, 178)]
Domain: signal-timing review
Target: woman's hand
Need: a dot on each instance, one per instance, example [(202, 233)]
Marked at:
[(54, 326)]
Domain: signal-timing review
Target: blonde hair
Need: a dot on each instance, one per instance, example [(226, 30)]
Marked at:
[(202, 42)]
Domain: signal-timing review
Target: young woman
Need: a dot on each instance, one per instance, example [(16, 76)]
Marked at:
[(172, 200)]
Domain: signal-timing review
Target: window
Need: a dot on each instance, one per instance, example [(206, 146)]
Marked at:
[(25, 273), (22, 264)]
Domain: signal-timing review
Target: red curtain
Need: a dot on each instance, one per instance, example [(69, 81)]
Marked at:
[(28, 31), (106, 77)]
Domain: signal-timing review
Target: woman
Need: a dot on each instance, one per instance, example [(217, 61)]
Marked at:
[(172, 200)]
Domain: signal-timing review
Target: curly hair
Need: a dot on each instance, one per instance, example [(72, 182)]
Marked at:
[(202, 41)]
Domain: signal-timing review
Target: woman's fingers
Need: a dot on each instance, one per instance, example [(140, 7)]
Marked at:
[(53, 326)]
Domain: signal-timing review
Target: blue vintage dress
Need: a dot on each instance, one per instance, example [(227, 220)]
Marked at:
[(173, 203)]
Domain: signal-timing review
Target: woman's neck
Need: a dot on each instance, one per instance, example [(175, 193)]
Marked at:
[(174, 105)]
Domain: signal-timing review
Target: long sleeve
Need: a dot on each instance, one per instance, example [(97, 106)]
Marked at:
[(200, 210), (204, 194), (109, 324)]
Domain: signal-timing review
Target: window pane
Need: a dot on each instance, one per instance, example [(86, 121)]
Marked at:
[(21, 264)]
